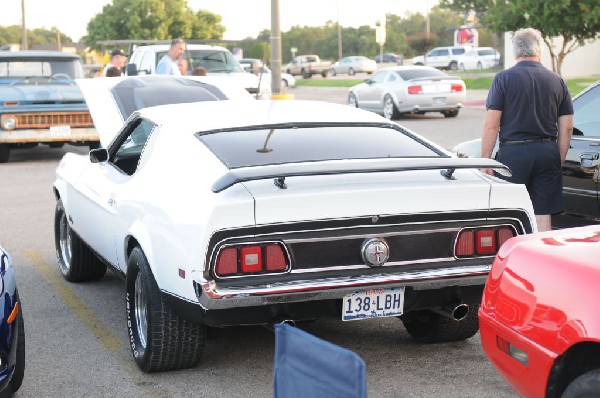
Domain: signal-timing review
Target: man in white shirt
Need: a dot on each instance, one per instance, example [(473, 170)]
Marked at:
[(168, 65), (117, 60)]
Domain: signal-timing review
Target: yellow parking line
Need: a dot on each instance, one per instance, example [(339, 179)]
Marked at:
[(105, 336)]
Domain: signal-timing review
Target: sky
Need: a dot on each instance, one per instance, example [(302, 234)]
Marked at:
[(242, 18)]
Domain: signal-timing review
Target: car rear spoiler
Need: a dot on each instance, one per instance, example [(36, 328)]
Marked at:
[(331, 167)]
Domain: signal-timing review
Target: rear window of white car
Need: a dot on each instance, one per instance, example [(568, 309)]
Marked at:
[(420, 73), (281, 144)]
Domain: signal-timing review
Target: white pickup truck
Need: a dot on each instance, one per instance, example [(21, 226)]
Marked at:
[(308, 65)]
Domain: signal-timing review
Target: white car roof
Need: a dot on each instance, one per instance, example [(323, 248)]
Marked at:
[(212, 115)]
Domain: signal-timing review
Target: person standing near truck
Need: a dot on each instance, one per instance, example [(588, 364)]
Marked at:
[(169, 64)]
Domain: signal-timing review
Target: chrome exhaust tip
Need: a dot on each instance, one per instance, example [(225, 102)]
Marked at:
[(458, 312)]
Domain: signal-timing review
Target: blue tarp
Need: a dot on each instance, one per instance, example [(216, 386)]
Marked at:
[(307, 367)]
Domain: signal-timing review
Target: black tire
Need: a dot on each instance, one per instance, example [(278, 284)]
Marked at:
[(389, 108), (305, 74), (284, 83), (452, 113), (429, 327), (333, 72), (453, 65), (324, 74), (351, 72), (76, 261), (159, 339), (4, 153), (19, 373), (585, 386)]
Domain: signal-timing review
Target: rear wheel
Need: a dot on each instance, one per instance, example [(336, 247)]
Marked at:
[(430, 327), (586, 385), (452, 113), (159, 339), (389, 108), (352, 100), (351, 72), (76, 261), (4, 152)]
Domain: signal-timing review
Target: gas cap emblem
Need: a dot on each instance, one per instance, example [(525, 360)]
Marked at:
[(375, 252)]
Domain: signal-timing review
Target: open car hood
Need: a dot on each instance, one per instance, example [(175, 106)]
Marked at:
[(112, 100)]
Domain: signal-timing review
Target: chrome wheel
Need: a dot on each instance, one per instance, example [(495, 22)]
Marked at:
[(65, 243), (141, 313), (352, 101), (388, 107)]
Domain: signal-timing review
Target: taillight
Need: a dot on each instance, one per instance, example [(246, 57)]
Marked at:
[(251, 260), (456, 88), (481, 241), (415, 89)]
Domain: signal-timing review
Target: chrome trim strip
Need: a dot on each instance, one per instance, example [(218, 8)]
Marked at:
[(383, 235), (387, 264), (213, 297)]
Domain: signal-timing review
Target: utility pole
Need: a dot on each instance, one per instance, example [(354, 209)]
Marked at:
[(339, 31), (275, 48), (23, 30)]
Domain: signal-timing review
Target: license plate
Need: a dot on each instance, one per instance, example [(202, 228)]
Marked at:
[(60, 130), (373, 303), (439, 100)]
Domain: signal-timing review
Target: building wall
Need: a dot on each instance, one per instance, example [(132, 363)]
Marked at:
[(583, 62)]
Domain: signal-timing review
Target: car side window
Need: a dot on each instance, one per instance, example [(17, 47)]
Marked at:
[(586, 121), (458, 51), (131, 144)]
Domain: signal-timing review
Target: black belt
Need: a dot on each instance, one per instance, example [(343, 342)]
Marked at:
[(515, 142)]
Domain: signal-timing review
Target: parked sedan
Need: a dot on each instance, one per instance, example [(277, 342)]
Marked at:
[(291, 210), (581, 171), (398, 90), (539, 313), (471, 60), (353, 65), (12, 329)]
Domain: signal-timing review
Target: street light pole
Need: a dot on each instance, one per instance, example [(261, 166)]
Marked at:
[(275, 48), (23, 30), (339, 31)]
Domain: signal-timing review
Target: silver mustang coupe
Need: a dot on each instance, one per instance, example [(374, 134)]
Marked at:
[(227, 211)]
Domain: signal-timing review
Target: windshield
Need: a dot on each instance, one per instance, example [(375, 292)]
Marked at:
[(213, 60), (20, 68)]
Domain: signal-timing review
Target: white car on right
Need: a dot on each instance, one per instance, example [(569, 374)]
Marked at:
[(479, 58)]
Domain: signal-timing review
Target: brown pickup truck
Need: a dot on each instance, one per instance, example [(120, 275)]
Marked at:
[(308, 65)]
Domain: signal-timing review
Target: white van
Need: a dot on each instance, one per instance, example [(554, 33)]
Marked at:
[(218, 61)]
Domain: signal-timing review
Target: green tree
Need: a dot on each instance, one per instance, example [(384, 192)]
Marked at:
[(574, 21), (152, 20), (12, 34)]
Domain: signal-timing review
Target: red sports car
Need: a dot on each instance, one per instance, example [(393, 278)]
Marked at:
[(540, 318)]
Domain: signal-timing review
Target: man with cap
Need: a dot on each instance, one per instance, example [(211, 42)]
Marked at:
[(117, 60)]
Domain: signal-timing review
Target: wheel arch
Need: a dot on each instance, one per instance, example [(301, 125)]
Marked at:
[(138, 236), (577, 360)]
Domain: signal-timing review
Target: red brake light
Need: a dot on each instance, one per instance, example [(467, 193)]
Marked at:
[(227, 262), (274, 258), (415, 89), (260, 258), (481, 241), (251, 258), (465, 244), (485, 241), (456, 88)]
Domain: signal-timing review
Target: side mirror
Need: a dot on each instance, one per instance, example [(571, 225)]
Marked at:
[(131, 70), (99, 155)]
